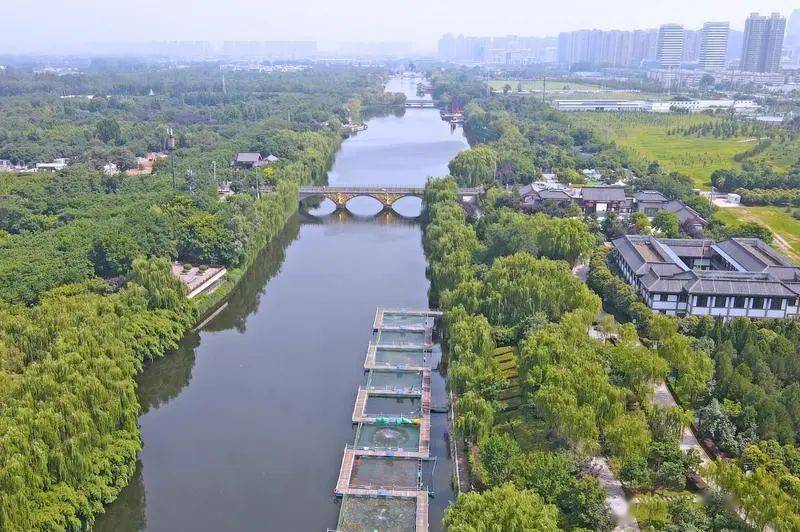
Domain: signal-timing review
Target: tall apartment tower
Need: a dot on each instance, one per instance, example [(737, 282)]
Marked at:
[(670, 45), (714, 45), (763, 40)]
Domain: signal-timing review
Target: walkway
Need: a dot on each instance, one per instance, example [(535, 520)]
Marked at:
[(616, 499), (662, 396)]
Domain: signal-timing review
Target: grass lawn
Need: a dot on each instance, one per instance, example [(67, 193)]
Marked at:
[(645, 135), (498, 84), (776, 219)]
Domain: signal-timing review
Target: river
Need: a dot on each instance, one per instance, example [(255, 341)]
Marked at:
[(245, 424)]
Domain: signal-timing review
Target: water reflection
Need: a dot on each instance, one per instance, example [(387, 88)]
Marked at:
[(128, 509), (408, 208), (247, 297), (244, 425)]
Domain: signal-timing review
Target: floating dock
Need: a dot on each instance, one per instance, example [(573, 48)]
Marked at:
[(381, 472)]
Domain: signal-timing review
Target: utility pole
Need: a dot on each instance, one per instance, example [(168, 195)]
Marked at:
[(214, 170), (544, 87), (171, 148)]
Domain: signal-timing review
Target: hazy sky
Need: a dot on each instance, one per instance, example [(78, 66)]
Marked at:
[(62, 24)]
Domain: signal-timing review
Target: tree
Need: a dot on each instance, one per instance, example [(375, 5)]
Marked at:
[(666, 223), (503, 508), (108, 130), (628, 437), (475, 416), (474, 167), (498, 456), (651, 510), (752, 230), (639, 223), (692, 368)]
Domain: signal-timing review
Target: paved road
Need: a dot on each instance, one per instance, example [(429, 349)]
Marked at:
[(663, 397), (615, 496)]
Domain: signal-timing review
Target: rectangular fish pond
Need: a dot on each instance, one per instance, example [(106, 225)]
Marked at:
[(385, 472), (399, 319), (395, 380), (393, 406), (387, 437), (402, 338), (362, 514), (402, 357)]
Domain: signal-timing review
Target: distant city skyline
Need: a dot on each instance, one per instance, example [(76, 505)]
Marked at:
[(58, 26)]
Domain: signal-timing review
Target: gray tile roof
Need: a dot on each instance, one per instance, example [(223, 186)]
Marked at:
[(659, 267), (650, 196), (248, 157), (754, 255), (684, 213), (558, 195), (603, 194), (738, 284)]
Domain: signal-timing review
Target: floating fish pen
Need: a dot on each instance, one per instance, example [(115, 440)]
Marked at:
[(385, 357), (388, 437), (370, 513), (380, 479), (401, 338), (387, 319), (397, 380)]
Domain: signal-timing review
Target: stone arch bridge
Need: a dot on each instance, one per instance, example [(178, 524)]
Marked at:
[(386, 195)]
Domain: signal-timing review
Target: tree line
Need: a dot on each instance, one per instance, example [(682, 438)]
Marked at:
[(87, 295)]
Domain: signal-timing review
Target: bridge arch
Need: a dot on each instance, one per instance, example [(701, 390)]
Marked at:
[(387, 196)]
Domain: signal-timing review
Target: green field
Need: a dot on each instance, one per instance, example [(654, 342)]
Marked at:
[(645, 135), (579, 89), (776, 219), (528, 85)]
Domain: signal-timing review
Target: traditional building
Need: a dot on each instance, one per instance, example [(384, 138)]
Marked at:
[(736, 277), (650, 202), (599, 201), (248, 160)]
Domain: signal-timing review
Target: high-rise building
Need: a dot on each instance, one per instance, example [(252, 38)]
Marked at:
[(792, 41), (447, 47), (763, 41), (670, 45), (606, 48), (692, 40), (714, 45)]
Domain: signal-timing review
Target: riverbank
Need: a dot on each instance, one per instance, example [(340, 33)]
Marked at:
[(283, 202), (261, 395)]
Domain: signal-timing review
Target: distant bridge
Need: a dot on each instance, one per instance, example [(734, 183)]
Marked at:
[(421, 103), (386, 195)]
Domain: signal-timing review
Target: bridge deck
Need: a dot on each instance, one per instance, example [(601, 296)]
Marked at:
[(422, 511), (378, 189)]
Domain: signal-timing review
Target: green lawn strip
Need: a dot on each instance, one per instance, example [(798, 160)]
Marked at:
[(646, 136), (499, 84), (776, 219)]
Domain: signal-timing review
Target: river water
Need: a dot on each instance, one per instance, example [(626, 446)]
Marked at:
[(245, 424)]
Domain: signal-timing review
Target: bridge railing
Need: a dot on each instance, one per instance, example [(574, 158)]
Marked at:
[(376, 189), (382, 189)]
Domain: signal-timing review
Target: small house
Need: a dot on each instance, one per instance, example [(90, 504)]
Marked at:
[(247, 160)]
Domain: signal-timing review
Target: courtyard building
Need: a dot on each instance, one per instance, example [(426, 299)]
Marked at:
[(735, 277)]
